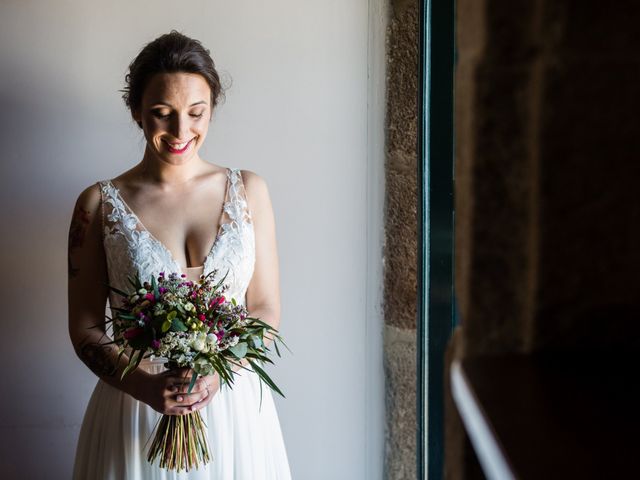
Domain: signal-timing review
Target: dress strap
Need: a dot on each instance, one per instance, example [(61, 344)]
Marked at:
[(237, 207)]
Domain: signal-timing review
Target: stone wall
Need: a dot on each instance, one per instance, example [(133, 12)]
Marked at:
[(400, 252)]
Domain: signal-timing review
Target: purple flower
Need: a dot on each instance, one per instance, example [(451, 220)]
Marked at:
[(155, 344)]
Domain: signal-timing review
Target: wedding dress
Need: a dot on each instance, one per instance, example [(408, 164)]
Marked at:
[(245, 438)]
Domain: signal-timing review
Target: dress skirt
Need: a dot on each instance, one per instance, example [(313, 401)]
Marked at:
[(245, 439)]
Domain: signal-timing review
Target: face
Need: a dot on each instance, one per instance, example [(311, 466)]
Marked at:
[(175, 113)]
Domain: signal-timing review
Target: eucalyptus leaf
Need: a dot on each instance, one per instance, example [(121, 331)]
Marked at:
[(239, 350)]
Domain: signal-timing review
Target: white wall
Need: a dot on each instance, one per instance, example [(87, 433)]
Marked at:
[(296, 113)]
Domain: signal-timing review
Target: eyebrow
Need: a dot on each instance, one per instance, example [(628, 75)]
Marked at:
[(169, 105)]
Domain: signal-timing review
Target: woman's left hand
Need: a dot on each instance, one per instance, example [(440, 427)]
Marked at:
[(212, 383)]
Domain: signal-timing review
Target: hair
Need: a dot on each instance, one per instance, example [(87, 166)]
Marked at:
[(169, 53)]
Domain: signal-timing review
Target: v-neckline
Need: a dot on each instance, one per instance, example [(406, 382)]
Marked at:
[(219, 232)]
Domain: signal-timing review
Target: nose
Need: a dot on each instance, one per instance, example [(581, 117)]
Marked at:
[(179, 127)]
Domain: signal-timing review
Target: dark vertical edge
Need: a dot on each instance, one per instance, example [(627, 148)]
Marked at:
[(435, 226), (423, 238)]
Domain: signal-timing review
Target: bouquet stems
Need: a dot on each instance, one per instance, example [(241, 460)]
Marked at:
[(180, 442)]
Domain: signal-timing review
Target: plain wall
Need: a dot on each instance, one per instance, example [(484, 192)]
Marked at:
[(296, 113)]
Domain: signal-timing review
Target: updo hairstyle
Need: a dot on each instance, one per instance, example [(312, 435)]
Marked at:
[(171, 52)]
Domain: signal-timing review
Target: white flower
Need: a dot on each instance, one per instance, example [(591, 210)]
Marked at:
[(198, 343)]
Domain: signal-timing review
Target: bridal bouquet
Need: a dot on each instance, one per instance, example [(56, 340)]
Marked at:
[(190, 324)]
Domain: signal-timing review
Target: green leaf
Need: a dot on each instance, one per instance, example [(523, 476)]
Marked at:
[(134, 361), (154, 284), (166, 325), (239, 350), (178, 326), (118, 291), (233, 301), (194, 377), (263, 375), (264, 324)]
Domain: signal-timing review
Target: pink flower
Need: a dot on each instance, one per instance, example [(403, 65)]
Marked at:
[(202, 317), (221, 300), (149, 296)]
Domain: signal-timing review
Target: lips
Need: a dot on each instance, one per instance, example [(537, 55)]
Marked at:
[(178, 147)]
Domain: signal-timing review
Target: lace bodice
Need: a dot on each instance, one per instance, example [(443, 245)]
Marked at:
[(130, 248)]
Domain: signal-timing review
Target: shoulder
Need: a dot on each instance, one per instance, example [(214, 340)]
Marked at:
[(255, 186), (256, 190), (252, 180), (89, 199)]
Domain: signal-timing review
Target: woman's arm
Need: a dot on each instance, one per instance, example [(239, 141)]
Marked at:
[(87, 295), (263, 292)]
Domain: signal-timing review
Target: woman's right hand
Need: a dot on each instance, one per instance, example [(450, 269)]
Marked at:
[(166, 392)]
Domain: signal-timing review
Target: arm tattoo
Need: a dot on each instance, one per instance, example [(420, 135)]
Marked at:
[(97, 357), (77, 234)]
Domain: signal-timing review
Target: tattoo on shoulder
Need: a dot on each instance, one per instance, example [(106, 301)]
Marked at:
[(77, 234), (97, 357)]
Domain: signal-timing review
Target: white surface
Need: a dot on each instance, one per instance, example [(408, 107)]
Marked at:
[(296, 113), (375, 407), (489, 453)]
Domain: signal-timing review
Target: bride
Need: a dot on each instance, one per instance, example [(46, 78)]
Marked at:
[(173, 211)]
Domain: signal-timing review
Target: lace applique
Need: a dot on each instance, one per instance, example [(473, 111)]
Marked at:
[(129, 247)]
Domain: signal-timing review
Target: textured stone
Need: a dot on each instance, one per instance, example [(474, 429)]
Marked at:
[(402, 77), (400, 250), (400, 403)]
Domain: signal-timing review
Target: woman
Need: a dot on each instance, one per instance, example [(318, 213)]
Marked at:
[(173, 212)]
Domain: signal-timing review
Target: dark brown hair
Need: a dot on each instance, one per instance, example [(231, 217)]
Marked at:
[(171, 52)]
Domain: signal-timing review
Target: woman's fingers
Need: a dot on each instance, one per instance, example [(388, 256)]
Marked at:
[(178, 385), (188, 403)]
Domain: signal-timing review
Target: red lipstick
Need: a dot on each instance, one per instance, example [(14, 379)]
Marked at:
[(175, 150)]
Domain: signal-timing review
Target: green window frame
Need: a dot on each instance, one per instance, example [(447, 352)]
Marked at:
[(436, 301)]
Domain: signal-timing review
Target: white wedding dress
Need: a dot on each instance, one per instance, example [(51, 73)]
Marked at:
[(245, 438)]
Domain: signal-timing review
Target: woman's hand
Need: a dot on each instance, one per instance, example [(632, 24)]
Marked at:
[(166, 392)]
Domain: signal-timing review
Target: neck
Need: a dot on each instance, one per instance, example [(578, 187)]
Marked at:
[(165, 174)]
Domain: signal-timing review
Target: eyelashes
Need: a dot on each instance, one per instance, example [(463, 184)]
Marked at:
[(164, 117)]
